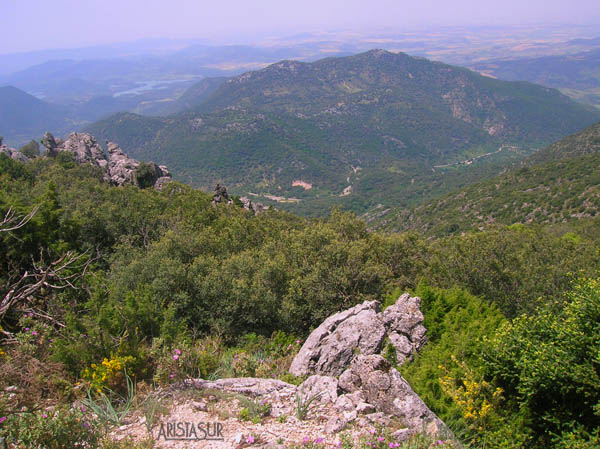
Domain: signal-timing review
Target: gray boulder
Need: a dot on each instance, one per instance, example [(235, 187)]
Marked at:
[(121, 168), (13, 154), (384, 388), (332, 346)]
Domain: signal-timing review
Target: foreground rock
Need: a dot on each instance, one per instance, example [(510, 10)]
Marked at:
[(363, 329), (119, 169), (352, 390)]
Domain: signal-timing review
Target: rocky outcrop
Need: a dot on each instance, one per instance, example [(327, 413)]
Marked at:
[(354, 384), (13, 154), (331, 347), (373, 381), (363, 329), (220, 195), (252, 205), (119, 168)]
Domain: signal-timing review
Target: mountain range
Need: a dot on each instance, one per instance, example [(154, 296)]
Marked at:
[(357, 131)]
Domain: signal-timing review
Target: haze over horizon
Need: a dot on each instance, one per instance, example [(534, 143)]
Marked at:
[(32, 25)]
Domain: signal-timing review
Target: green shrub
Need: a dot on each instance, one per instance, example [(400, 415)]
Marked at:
[(57, 429)]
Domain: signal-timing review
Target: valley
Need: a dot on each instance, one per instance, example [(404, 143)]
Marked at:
[(354, 238)]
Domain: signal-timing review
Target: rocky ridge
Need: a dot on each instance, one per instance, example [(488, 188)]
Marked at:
[(119, 169)]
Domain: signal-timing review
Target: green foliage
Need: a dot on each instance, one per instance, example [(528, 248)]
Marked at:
[(556, 184), (56, 429), (144, 175), (253, 409), (31, 150), (305, 403), (549, 361), (456, 323), (111, 408)]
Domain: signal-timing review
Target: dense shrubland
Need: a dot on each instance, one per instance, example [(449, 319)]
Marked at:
[(162, 286)]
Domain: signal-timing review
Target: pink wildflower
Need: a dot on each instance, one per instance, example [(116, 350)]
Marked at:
[(4, 418), (177, 351), (44, 415), (34, 333), (250, 439), (380, 439), (175, 356)]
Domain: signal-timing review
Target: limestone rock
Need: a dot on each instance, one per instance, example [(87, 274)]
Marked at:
[(246, 385), (324, 386), (119, 169), (331, 347), (252, 205), (13, 154), (335, 424), (388, 392)]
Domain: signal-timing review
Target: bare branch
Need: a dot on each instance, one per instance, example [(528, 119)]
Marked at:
[(11, 222), (52, 276)]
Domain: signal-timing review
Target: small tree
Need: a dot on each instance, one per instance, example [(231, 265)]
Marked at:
[(145, 175), (31, 150)]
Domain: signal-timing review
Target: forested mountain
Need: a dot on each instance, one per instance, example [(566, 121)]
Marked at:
[(556, 184), (357, 130), (23, 116)]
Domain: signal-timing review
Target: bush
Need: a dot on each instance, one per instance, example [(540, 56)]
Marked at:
[(57, 429), (549, 362)]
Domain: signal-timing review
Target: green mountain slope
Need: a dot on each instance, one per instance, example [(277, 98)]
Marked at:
[(557, 184), (23, 116), (346, 130)]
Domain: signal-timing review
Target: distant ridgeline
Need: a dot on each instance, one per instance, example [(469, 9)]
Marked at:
[(356, 131), (118, 168)]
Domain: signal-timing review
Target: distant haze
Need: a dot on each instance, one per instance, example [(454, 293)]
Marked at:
[(41, 24)]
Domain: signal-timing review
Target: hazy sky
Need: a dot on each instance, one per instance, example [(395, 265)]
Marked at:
[(40, 24)]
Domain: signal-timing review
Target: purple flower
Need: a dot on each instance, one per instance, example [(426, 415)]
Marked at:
[(172, 376), (319, 440), (177, 351), (86, 425), (51, 340), (82, 409), (250, 439), (4, 418), (26, 328), (175, 356), (34, 333), (44, 415), (380, 439), (305, 441), (372, 431)]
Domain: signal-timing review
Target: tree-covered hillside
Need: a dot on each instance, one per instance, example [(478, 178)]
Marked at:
[(355, 131), (96, 279), (557, 184)]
